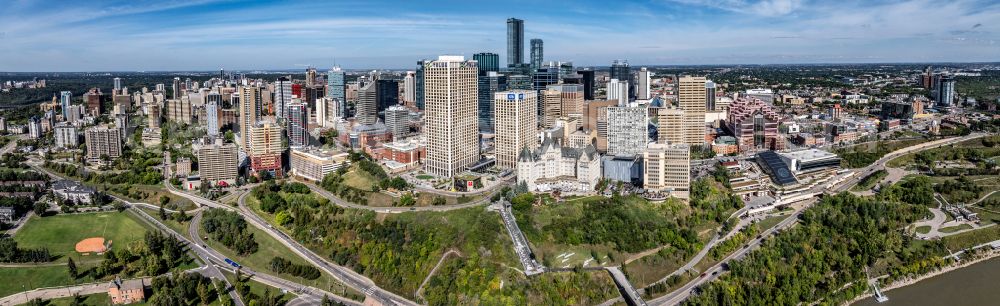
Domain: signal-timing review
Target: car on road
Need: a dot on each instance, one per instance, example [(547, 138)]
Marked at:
[(703, 274)]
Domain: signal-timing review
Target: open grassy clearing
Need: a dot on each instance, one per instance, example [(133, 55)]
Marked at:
[(60, 233)]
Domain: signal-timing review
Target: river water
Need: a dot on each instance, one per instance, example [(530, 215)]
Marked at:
[(978, 284)]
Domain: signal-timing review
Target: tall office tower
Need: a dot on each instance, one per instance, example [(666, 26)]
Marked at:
[(643, 85), (561, 100), (297, 123), (250, 104), (537, 55), (66, 98), (282, 95), (551, 108), (926, 79), (450, 115), (93, 100), (66, 136), (710, 96), (515, 42), (409, 89), (217, 162), (418, 84), (543, 77), (667, 168), (618, 90), (366, 110), (487, 62), (176, 89), (212, 115), (310, 77), (265, 148), (620, 70), (627, 132), (103, 141), (671, 126), (335, 83), (118, 85), (321, 113), (489, 84), (691, 98), (516, 125), (945, 97), (519, 81), (587, 77), (387, 95), (397, 121)]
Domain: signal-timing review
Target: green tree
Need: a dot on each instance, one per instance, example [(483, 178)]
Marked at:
[(40, 208), (71, 267)]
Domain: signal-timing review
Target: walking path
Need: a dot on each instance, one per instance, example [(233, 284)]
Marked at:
[(420, 290)]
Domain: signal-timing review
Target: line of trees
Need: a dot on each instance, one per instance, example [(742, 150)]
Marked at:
[(10, 252), (282, 265), (230, 229)]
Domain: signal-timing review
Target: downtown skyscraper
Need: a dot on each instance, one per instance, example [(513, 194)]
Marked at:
[(621, 71), (516, 125), (297, 124), (537, 54), (335, 84), (450, 115), (250, 105), (691, 95), (65, 98), (515, 42), (282, 95)]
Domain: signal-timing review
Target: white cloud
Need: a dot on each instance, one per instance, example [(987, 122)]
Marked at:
[(757, 7)]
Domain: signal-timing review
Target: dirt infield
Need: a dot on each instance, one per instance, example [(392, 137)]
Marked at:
[(92, 245)]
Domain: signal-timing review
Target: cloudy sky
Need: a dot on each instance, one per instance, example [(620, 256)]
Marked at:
[(101, 35)]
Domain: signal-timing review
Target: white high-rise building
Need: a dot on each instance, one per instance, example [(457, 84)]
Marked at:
[(66, 136), (282, 96), (450, 106), (644, 89), (397, 120), (212, 115), (516, 125), (118, 85), (321, 112), (618, 90), (409, 88), (627, 132)]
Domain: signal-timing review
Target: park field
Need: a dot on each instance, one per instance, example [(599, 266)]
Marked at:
[(60, 233), (14, 280)]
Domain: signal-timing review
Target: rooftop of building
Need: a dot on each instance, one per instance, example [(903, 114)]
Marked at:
[(808, 154)]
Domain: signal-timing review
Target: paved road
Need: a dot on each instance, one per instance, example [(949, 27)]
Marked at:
[(713, 272), (342, 203), (631, 296), (344, 275), (305, 293)]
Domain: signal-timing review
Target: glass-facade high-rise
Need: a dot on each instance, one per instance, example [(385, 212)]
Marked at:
[(335, 82), (66, 98), (515, 41), (489, 84), (418, 86), (620, 70), (588, 83), (537, 54), (487, 62), (387, 96)]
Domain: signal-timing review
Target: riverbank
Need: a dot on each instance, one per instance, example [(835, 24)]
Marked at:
[(977, 258)]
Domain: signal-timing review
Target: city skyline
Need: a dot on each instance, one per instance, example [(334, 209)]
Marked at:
[(208, 35)]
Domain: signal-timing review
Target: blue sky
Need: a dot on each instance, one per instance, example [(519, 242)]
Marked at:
[(101, 35)]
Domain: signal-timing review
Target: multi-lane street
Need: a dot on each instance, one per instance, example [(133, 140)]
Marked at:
[(716, 270)]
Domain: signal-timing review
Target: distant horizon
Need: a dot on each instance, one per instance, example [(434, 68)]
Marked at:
[(322, 70), (202, 35)]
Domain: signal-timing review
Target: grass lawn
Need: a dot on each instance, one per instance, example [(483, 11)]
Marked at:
[(952, 229), (771, 221), (268, 248), (12, 279), (424, 177), (60, 233), (93, 299), (359, 179), (924, 229), (971, 238)]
